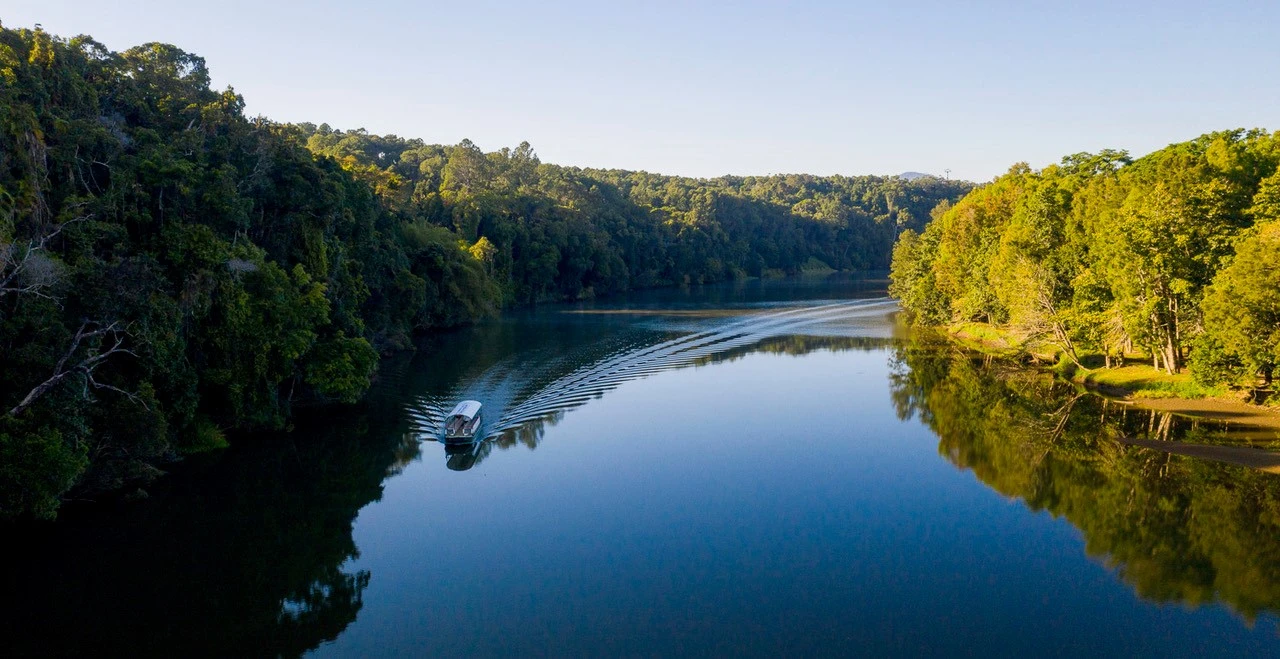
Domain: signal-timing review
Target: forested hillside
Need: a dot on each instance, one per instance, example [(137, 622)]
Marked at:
[(172, 271), (1174, 258), (547, 232)]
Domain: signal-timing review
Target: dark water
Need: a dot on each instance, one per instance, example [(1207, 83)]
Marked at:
[(760, 468)]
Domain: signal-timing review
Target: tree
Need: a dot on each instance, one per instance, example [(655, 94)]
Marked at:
[(1242, 314), (1151, 264), (1037, 310)]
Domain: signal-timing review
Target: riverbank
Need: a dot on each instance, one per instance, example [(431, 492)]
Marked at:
[(1216, 409), (1139, 384), (1241, 456)]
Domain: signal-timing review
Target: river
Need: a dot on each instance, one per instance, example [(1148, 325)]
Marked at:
[(759, 468)]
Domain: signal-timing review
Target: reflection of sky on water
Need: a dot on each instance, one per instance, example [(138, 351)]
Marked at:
[(522, 394), (771, 505), (774, 504)]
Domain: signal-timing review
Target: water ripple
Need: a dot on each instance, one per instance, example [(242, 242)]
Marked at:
[(520, 399)]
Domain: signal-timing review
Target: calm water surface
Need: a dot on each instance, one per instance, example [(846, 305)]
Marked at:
[(758, 468)]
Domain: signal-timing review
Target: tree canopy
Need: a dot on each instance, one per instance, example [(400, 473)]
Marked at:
[(1172, 255), (172, 271)]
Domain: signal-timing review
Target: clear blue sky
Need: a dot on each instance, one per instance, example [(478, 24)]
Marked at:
[(743, 87)]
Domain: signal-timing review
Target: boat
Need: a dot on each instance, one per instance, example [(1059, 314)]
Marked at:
[(463, 422)]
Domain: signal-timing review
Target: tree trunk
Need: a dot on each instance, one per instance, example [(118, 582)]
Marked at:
[(1173, 340), (1171, 361)]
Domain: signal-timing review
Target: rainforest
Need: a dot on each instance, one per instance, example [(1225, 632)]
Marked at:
[(174, 273)]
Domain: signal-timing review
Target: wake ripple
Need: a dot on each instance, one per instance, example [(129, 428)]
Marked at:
[(520, 402)]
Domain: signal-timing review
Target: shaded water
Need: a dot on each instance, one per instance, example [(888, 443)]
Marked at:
[(755, 468)]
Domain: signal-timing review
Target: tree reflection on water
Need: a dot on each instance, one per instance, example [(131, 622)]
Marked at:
[(243, 554), (1177, 529)]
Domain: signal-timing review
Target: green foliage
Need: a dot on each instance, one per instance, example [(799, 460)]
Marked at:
[(545, 232), (1115, 256), (206, 436), (37, 464), (1142, 381), (913, 280), (173, 272), (1242, 313), (341, 367)]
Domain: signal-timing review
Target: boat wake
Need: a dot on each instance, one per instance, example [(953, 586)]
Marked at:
[(520, 400)]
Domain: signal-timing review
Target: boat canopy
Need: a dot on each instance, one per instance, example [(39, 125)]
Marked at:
[(467, 409)]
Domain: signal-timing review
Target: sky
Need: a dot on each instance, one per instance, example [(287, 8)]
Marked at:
[(744, 87)]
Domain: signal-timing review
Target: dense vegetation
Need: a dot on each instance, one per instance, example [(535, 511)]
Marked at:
[(545, 232), (1172, 256), (171, 270), (1178, 529)]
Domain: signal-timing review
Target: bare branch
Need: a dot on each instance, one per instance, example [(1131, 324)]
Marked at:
[(88, 331), (127, 394), (16, 265)]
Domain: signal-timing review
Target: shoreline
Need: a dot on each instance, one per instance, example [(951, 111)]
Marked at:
[(1241, 456), (1214, 409), (1142, 387), (1136, 390)]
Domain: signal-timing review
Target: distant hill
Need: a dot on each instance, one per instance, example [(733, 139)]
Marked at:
[(911, 176)]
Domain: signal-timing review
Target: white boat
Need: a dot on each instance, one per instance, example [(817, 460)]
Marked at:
[(463, 422)]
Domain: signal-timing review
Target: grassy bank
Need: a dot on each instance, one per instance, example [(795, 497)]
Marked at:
[(1134, 380), (986, 338), (1143, 381)]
